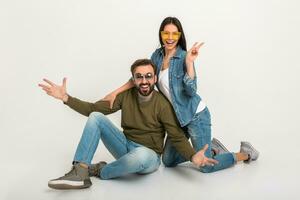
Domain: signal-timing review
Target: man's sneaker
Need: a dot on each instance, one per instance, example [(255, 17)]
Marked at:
[(218, 147), (247, 148), (77, 178), (95, 169)]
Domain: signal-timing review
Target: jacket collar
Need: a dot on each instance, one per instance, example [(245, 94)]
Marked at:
[(178, 54)]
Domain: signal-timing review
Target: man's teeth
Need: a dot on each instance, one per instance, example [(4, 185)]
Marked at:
[(144, 86)]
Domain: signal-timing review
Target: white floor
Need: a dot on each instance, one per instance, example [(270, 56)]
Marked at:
[(273, 176)]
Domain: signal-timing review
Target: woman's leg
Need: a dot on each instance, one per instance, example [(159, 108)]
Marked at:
[(200, 132)]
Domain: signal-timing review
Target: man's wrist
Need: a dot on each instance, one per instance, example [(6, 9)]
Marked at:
[(65, 98), (192, 158)]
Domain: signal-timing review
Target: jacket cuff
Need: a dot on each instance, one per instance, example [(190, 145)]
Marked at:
[(188, 80)]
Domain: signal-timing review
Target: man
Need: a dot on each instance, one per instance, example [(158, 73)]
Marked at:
[(146, 116)]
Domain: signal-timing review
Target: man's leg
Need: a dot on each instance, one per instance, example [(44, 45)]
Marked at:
[(97, 126), (141, 160)]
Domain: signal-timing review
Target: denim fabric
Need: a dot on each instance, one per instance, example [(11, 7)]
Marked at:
[(199, 130), (183, 89), (130, 156)]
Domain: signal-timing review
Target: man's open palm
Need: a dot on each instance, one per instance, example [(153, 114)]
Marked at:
[(56, 91)]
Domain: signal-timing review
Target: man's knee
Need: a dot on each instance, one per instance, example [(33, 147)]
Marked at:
[(96, 115), (97, 118), (146, 157), (148, 160)]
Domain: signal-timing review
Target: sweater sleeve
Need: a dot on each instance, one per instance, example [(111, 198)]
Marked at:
[(86, 108), (175, 133)]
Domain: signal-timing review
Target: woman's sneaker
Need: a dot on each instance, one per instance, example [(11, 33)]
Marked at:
[(218, 147), (247, 148), (77, 178)]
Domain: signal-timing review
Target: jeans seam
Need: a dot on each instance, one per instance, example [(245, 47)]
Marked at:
[(92, 143)]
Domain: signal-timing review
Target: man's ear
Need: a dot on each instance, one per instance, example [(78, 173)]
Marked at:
[(155, 79)]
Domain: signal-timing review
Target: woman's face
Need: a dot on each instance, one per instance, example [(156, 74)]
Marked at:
[(170, 36)]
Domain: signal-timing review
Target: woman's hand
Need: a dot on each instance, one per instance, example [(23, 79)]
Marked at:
[(193, 53)]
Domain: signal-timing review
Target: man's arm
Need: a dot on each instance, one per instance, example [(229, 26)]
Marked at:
[(175, 133), (180, 142), (85, 108)]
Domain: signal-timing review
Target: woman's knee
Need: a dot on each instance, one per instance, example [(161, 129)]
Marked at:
[(207, 169), (168, 160)]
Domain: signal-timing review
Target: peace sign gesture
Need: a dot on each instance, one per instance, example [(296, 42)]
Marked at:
[(56, 91), (193, 52)]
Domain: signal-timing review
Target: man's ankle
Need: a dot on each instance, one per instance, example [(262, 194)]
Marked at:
[(84, 165)]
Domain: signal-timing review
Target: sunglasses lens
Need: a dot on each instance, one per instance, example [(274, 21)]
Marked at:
[(167, 35), (140, 77), (148, 76)]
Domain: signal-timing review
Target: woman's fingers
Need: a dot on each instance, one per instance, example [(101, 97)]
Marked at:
[(196, 47), (200, 45)]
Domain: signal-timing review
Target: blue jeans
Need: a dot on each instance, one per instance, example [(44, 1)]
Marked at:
[(130, 157), (199, 130)]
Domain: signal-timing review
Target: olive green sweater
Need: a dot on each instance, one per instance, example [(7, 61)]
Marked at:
[(143, 122)]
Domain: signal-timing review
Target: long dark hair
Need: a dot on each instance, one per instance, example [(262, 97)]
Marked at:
[(176, 22)]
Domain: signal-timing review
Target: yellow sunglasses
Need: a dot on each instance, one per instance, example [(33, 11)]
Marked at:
[(168, 35)]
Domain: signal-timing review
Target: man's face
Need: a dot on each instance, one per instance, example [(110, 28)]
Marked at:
[(144, 79)]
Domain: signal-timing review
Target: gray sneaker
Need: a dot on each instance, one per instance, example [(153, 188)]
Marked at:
[(218, 147), (95, 169), (77, 178), (247, 148)]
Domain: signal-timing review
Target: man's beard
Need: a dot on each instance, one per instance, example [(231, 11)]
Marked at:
[(145, 91)]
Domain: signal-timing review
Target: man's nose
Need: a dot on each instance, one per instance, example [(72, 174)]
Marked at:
[(144, 80)]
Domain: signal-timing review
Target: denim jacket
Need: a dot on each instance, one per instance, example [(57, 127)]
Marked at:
[(183, 89)]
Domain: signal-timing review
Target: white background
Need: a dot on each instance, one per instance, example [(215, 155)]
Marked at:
[(248, 75)]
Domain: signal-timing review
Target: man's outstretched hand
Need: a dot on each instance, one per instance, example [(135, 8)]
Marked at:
[(56, 91), (200, 160)]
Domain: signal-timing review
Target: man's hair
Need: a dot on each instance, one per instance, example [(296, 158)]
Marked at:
[(142, 62)]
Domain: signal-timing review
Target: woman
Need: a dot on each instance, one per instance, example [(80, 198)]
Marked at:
[(178, 82)]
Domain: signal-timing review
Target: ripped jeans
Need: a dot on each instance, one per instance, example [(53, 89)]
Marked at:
[(199, 130)]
